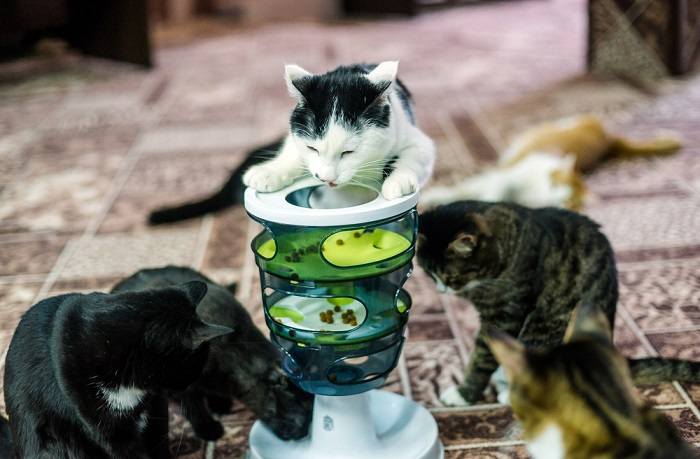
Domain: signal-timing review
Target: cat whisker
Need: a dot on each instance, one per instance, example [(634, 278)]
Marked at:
[(367, 177), (371, 168), (182, 434), (367, 174), (372, 164), (355, 182)]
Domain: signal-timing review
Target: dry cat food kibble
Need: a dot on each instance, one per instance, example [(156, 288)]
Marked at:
[(349, 318), (326, 316)]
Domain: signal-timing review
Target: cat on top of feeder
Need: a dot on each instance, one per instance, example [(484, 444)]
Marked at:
[(346, 126), (354, 124)]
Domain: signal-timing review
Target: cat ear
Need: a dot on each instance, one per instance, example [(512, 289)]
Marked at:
[(195, 290), (482, 224), (588, 321), (294, 76), (205, 332), (463, 245), (509, 352), (384, 74)]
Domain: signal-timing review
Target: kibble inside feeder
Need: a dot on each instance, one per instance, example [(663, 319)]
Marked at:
[(332, 286)]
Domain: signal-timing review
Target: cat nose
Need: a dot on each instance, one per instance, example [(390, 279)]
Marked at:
[(326, 178)]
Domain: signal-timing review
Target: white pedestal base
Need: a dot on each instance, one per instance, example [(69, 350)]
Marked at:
[(372, 425)]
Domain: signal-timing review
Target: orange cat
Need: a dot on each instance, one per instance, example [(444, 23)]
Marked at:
[(586, 139), (544, 165)]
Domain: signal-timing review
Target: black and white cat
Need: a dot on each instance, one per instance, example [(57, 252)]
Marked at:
[(243, 365), (347, 124), (86, 375)]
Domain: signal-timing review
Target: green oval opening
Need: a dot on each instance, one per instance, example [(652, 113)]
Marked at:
[(338, 314), (267, 249), (360, 247)]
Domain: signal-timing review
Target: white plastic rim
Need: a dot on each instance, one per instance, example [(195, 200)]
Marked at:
[(372, 425), (274, 207)]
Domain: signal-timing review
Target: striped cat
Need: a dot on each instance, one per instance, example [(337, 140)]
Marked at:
[(576, 400), (525, 270)]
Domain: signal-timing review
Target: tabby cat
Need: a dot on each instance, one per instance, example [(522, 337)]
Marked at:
[(524, 270), (346, 127), (86, 375), (543, 165), (576, 400), (242, 365)]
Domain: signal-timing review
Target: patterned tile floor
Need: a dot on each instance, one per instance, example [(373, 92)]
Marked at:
[(88, 147)]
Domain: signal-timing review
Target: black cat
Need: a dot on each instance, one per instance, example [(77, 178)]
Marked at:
[(86, 374), (242, 365), (5, 439)]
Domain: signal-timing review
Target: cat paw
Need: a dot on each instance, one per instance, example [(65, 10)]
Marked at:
[(265, 179), (503, 397), (452, 397), (399, 184), (500, 383)]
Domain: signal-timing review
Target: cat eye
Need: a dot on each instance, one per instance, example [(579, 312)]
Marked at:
[(311, 148), (347, 152)]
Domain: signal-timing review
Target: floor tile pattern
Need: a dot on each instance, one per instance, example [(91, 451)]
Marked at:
[(88, 147)]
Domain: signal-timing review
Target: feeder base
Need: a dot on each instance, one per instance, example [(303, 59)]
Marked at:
[(372, 425)]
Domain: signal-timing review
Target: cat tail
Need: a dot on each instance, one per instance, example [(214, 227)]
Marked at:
[(659, 146), (229, 195), (655, 370)]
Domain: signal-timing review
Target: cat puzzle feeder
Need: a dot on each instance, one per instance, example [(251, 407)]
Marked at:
[(332, 267)]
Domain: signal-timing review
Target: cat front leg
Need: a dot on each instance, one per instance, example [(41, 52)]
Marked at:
[(507, 316), (412, 168), (195, 409), (154, 429), (482, 365), (277, 173)]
